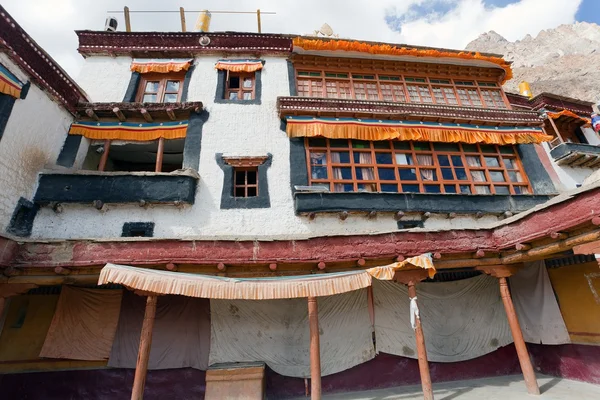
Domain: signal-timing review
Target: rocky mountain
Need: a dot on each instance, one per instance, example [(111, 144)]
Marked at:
[(564, 60)]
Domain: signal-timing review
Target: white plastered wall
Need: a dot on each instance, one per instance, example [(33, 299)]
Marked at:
[(572, 177), (35, 132), (231, 129)]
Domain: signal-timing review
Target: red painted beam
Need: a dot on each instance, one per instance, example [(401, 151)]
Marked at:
[(579, 210), (562, 216), (8, 251)]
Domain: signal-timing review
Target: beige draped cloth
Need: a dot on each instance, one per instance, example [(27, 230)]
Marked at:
[(180, 338), (461, 320), (277, 333), (536, 306), (84, 324)]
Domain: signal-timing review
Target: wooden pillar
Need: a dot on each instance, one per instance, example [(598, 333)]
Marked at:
[(558, 135), (258, 20), (515, 328), (104, 158), (315, 350), (141, 366), (410, 278), (421, 350), (127, 19), (182, 17), (159, 154)]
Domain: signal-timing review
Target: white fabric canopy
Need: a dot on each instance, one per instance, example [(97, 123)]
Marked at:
[(536, 306), (277, 332), (461, 320)]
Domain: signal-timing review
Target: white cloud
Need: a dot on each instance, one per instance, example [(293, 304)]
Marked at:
[(51, 23)]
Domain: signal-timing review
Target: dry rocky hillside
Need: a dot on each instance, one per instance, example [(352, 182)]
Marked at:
[(564, 60)]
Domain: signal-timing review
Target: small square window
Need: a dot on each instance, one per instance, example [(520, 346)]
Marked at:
[(240, 86), (245, 182), (160, 88)]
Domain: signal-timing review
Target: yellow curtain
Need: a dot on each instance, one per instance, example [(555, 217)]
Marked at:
[(251, 66), (567, 113), (161, 67), (373, 48), (430, 134)]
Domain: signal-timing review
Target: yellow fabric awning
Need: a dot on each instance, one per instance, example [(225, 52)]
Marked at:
[(9, 84), (239, 65), (158, 65), (129, 130), (366, 129), (216, 287), (376, 48)]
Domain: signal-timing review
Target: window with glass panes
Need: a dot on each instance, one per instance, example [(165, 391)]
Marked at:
[(160, 88), (345, 165), (399, 88), (239, 86)]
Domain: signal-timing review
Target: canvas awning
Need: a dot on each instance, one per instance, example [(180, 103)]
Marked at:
[(285, 287), (160, 65), (239, 65), (132, 131), (9, 84), (372, 129)]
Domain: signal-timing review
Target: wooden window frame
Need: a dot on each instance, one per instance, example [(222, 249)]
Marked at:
[(159, 154), (443, 184), (241, 90), (245, 186), (162, 86), (309, 73)]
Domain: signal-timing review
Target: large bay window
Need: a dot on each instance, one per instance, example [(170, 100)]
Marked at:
[(343, 165), (399, 88)]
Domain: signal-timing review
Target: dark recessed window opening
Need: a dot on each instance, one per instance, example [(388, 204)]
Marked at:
[(137, 156), (245, 182), (240, 86), (138, 229)]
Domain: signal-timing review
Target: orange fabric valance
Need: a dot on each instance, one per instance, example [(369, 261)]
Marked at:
[(161, 66), (130, 131), (365, 129), (567, 113), (239, 65), (372, 48)]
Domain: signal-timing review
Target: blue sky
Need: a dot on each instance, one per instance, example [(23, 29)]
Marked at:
[(589, 11)]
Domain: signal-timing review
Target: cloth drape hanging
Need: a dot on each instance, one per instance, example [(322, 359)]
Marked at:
[(9, 84), (536, 306), (131, 131), (180, 337), (461, 319), (239, 65), (377, 48), (567, 113), (277, 332), (160, 65), (84, 324), (216, 287), (371, 129)]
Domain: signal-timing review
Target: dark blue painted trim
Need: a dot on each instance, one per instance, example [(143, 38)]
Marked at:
[(21, 222), (132, 87), (6, 105), (186, 83), (193, 140), (69, 151), (541, 183), (228, 201)]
